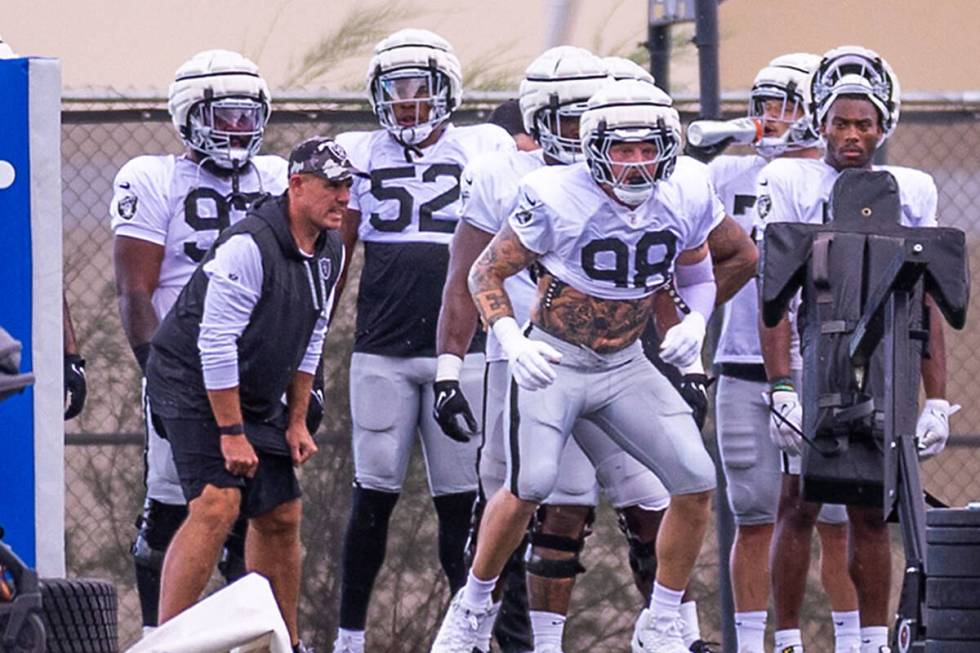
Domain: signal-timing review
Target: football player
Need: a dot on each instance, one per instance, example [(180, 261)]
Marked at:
[(405, 211), (854, 105), (553, 95), (166, 212), (750, 460), (604, 242)]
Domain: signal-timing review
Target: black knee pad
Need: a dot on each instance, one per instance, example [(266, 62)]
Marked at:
[(564, 568), (232, 563), (642, 555)]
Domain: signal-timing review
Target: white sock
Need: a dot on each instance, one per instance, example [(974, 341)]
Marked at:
[(476, 592), (353, 638), (548, 628), (665, 603), (873, 637), (847, 631), (690, 628), (750, 631), (787, 638)]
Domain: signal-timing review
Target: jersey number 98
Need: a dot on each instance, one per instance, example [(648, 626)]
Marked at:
[(610, 259)]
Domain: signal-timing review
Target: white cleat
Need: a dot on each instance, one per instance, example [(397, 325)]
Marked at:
[(547, 648), (461, 627), (657, 635), (486, 630)]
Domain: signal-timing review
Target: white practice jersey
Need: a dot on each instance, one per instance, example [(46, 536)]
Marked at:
[(798, 190), (408, 197), (735, 179), (490, 190), (174, 202), (605, 249), (408, 202)]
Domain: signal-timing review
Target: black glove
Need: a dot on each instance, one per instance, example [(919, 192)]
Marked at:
[(450, 406), (694, 390), (706, 153), (75, 389)]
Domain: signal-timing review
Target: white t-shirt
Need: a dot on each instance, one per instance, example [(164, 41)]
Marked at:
[(234, 288), (176, 203), (489, 195), (605, 249)]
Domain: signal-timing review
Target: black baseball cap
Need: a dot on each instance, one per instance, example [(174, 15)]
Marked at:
[(322, 157)]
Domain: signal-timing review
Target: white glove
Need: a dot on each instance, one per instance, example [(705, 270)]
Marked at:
[(682, 342), (786, 421), (530, 360), (932, 429)]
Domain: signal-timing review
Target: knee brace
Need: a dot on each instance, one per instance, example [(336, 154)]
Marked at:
[(642, 555), (157, 525), (561, 568)]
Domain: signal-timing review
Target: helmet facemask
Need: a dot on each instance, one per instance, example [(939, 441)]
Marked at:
[(790, 114), (859, 73), (228, 131), (419, 94), (632, 182), (548, 129)]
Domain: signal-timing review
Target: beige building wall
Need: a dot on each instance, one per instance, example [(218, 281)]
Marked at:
[(932, 45), (137, 44)]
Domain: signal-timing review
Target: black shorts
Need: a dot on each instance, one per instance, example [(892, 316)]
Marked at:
[(196, 447)]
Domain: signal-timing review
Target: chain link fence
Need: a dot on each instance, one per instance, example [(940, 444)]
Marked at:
[(104, 453)]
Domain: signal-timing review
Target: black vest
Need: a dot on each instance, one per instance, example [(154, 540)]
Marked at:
[(295, 290)]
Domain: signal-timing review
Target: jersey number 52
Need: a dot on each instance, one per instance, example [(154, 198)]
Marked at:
[(406, 203)]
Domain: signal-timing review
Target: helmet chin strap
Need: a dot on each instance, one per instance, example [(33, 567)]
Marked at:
[(632, 197)]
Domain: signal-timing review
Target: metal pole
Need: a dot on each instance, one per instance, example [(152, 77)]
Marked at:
[(706, 39), (658, 43)]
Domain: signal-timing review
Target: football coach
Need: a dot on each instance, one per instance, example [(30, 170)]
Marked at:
[(229, 375)]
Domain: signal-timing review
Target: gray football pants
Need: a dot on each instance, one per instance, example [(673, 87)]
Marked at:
[(621, 393), (391, 401), (753, 465), (623, 480)]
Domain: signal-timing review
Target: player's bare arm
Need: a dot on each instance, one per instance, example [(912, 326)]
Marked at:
[(458, 316), (137, 266), (602, 325), (504, 257), (348, 234), (734, 256)]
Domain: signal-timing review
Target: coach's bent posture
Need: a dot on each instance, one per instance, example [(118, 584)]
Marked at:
[(247, 328)]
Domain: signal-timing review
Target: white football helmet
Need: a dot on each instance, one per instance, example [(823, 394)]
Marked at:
[(630, 111), (557, 86), (220, 106), (853, 70), (414, 68), (623, 68), (785, 80)]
